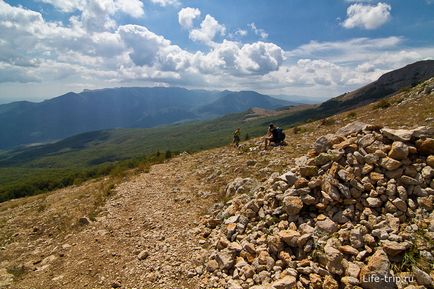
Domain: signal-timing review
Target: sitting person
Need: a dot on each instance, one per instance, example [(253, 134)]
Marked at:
[(275, 136)]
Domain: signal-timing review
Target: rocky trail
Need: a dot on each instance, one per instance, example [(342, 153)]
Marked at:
[(168, 228)]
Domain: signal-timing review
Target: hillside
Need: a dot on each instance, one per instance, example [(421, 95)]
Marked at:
[(157, 229), (135, 107), (93, 152), (387, 84)]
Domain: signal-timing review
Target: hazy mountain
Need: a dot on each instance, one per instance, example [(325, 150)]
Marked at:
[(299, 98), (27, 122), (230, 102)]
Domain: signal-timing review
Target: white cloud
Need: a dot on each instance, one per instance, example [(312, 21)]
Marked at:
[(367, 16), (209, 28), (92, 50), (143, 44), (187, 15), (133, 8), (11, 73), (66, 5), (347, 49), (241, 32), (260, 57), (165, 3), (260, 32)]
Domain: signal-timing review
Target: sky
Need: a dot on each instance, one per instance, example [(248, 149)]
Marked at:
[(313, 48)]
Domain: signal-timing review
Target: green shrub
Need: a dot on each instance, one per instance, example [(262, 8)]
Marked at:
[(328, 121), (351, 115), (382, 104)]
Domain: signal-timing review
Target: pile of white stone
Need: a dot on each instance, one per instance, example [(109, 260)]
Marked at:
[(357, 212)]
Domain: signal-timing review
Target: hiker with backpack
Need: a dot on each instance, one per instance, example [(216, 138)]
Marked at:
[(275, 136), (236, 139)]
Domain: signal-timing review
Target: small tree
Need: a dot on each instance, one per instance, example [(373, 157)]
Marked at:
[(247, 137), (168, 154)]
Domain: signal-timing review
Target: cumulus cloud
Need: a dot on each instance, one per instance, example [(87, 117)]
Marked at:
[(92, 49), (234, 58), (187, 15), (143, 44), (133, 8), (260, 32), (209, 28), (367, 16)]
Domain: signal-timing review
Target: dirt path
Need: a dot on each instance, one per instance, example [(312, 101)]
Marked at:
[(153, 216)]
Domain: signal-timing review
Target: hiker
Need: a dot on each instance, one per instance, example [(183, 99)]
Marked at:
[(236, 139), (275, 136)]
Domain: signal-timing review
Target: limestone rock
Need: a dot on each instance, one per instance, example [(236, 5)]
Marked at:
[(397, 134), (390, 164), (292, 205), (422, 277), (393, 248), (375, 275), (143, 255), (399, 151), (323, 143), (351, 128), (327, 225), (286, 282), (225, 260)]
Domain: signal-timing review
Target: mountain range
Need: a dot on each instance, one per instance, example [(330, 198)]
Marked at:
[(128, 107)]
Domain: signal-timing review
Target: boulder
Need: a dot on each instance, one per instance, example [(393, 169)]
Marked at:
[(289, 177), (376, 275), (308, 171), (397, 134), (241, 186), (399, 151), (286, 282), (324, 143), (225, 260), (354, 127), (292, 205), (426, 146), (334, 260), (422, 277), (390, 164), (393, 248), (330, 283), (327, 225)]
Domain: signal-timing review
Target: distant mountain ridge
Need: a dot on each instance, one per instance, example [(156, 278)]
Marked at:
[(129, 107), (387, 84)]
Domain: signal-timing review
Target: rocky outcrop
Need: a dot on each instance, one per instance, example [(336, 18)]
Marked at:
[(345, 216)]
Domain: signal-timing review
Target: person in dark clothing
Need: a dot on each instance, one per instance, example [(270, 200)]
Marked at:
[(236, 138), (275, 136)]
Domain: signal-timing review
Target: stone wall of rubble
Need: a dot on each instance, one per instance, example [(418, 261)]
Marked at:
[(356, 212)]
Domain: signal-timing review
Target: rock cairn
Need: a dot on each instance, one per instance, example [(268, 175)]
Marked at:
[(356, 212)]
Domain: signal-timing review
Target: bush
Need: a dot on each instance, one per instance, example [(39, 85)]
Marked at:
[(351, 115), (328, 121), (382, 104)]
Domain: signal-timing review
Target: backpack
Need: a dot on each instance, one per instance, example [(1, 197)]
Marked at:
[(280, 135)]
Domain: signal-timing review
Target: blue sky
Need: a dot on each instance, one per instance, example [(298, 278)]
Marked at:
[(316, 49)]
